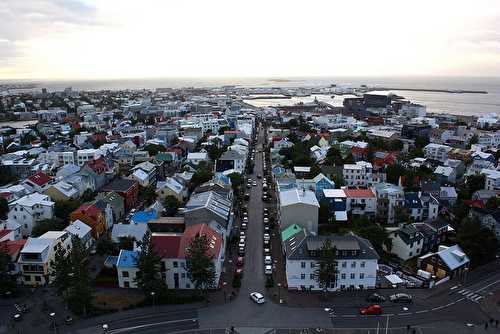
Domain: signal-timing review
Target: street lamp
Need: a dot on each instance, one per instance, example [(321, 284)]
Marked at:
[(53, 317), (153, 297), (330, 313), (224, 291), (279, 293)]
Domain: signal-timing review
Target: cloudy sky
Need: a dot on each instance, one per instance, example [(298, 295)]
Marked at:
[(80, 39)]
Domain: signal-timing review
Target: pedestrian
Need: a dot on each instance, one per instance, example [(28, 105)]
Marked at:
[(486, 326), (496, 323), (491, 321)]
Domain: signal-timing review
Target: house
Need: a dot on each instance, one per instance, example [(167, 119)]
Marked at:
[(298, 206), (171, 187), (195, 158), (414, 206), (144, 173), (316, 184), (135, 231), (445, 174), (437, 152), (29, 210), (336, 199), (116, 202), (361, 202), (407, 242), (13, 249), (282, 143), (492, 181), (382, 159), (100, 170), (209, 208), (85, 155), (38, 182), (356, 261), (82, 231), (487, 218), (126, 267), (359, 174), (389, 197), (446, 262), (62, 191), (126, 188), (221, 184), (231, 160), (105, 207), (92, 216), (448, 195), (35, 260), (172, 251)]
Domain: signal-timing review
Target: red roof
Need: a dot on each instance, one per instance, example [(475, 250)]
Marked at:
[(98, 165), (231, 132), (359, 193), (359, 150), (13, 247), (3, 233), (174, 246), (475, 203), (166, 246), (40, 179), (89, 210)]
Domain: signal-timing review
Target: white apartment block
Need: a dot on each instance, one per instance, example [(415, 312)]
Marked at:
[(29, 210), (86, 155), (389, 197), (489, 139), (492, 181), (358, 174), (437, 152)]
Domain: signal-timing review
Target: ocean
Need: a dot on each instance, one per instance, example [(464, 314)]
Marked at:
[(437, 102)]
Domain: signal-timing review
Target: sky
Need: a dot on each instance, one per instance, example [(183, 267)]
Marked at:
[(113, 39)]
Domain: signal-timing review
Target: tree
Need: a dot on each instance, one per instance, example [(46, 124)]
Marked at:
[(373, 232), (126, 243), (4, 208), (62, 209), (7, 282), (334, 156), (475, 183), (46, 225), (202, 175), (199, 264), (236, 182), (153, 149), (478, 242), (171, 205), (148, 276), (148, 194), (326, 267), (214, 152), (493, 203)]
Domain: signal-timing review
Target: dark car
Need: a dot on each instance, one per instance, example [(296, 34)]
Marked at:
[(401, 298), (375, 298)]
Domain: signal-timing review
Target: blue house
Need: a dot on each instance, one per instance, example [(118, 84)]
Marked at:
[(317, 184), (126, 267)]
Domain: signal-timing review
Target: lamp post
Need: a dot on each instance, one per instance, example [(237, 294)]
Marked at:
[(153, 297), (279, 293), (224, 291), (53, 318)]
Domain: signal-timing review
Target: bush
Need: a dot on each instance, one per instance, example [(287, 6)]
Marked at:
[(236, 282), (269, 282)]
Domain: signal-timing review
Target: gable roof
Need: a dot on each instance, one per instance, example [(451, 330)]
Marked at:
[(453, 257), (127, 259), (297, 196), (359, 193), (40, 179)]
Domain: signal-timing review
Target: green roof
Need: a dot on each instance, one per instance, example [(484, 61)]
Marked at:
[(163, 156), (290, 231)]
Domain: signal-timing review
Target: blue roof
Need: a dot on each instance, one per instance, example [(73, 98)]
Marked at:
[(127, 259), (143, 216)]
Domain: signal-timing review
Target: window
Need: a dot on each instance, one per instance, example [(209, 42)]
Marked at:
[(361, 275), (27, 278), (353, 264), (302, 264), (311, 287), (342, 287), (353, 276), (176, 264), (15, 217), (188, 286), (312, 264), (302, 276), (363, 263), (311, 276), (342, 276), (125, 273), (126, 284), (183, 275), (344, 264)]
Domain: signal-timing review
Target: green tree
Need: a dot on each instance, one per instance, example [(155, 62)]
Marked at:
[(126, 243), (214, 152), (7, 282), (153, 149), (106, 246), (148, 276), (493, 203), (46, 225), (4, 208), (373, 232), (148, 194), (202, 175), (236, 182), (478, 242), (325, 272), (199, 264), (171, 205), (334, 156), (62, 209)]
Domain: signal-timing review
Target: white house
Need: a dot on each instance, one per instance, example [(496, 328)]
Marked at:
[(36, 255), (85, 155), (492, 179), (29, 210), (126, 267), (359, 174), (361, 202), (231, 159), (389, 197), (437, 152), (83, 231), (355, 257), (407, 242), (196, 157)]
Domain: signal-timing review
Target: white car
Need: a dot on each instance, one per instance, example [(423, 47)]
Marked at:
[(268, 270), (254, 183), (257, 297), (266, 220), (267, 236), (268, 260)]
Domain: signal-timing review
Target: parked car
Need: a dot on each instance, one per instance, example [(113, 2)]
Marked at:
[(241, 244), (371, 310), (257, 297), (243, 226), (401, 298), (267, 251), (247, 196), (254, 183), (264, 198), (267, 236), (268, 259), (238, 272), (259, 176), (241, 251), (375, 298), (267, 244), (266, 220), (268, 270), (240, 261)]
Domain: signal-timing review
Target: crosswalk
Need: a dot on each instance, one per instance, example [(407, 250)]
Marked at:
[(471, 295)]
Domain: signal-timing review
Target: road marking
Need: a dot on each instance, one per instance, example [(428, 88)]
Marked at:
[(407, 313), (438, 308), (449, 304), (463, 290), (349, 316), (126, 329), (487, 286), (422, 311)]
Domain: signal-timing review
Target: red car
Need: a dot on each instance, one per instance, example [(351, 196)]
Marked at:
[(371, 310)]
